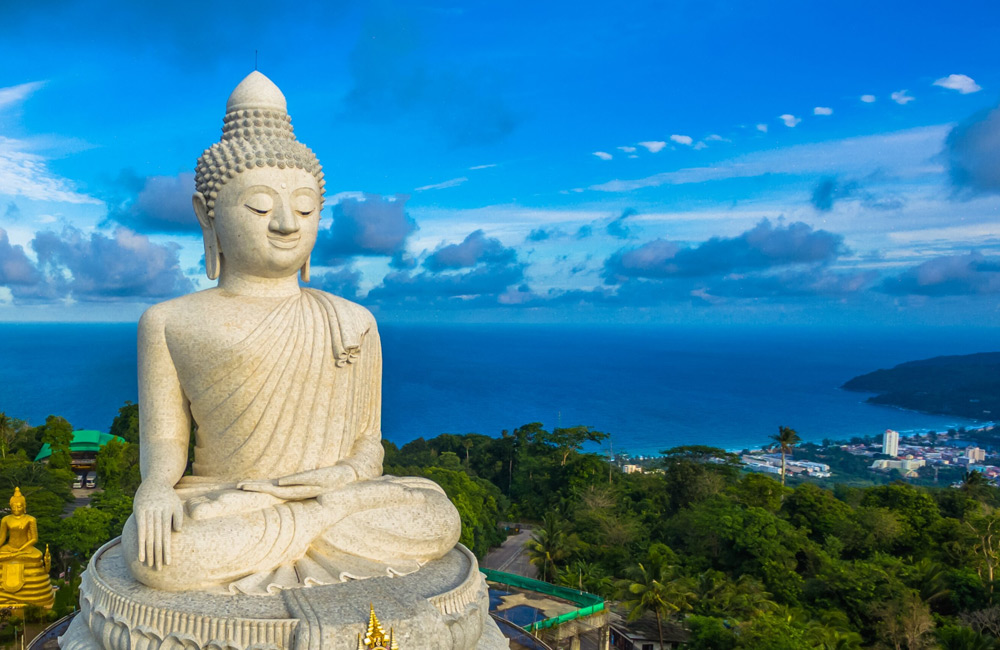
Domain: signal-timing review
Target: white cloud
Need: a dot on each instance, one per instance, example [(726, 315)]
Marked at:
[(966, 234), (904, 154), (715, 137), (822, 110), (682, 139), (653, 145), (627, 149), (482, 166), (790, 120), (603, 155), (17, 94), (340, 196), (632, 155), (26, 174), (960, 82), (762, 128), (454, 182), (868, 99), (901, 98), (700, 145)]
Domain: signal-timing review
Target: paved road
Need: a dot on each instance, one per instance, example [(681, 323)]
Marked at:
[(512, 556), (81, 498)]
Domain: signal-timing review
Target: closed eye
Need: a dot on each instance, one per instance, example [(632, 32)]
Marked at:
[(305, 213), (256, 210)]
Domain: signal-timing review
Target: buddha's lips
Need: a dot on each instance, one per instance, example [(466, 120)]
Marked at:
[(284, 242)]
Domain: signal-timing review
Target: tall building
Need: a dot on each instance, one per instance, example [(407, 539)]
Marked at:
[(975, 454), (890, 443)]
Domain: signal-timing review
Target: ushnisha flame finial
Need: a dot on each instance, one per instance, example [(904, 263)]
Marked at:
[(18, 498), (375, 637), (256, 132)]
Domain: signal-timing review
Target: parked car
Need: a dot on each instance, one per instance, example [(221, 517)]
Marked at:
[(91, 479), (78, 481)]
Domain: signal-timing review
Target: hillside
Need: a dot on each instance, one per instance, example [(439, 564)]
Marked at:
[(966, 386)]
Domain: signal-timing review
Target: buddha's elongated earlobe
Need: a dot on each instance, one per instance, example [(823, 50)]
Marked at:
[(304, 271), (212, 257), (212, 252)]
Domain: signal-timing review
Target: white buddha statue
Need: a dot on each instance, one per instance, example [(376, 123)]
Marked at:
[(284, 384)]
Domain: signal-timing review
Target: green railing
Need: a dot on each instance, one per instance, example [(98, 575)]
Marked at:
[(590, 604)]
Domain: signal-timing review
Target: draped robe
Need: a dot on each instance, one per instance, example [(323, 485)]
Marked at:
[(301, 391)]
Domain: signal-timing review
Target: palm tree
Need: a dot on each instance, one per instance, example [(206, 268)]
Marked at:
[(586, 576), (721, 597), (975, 485), (550, 546), (7, 433), (930, 579), (786, 439), (959, 637), (655, 589), (468, 444)]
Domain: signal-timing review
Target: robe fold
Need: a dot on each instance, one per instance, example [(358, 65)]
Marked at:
[(301, 391)]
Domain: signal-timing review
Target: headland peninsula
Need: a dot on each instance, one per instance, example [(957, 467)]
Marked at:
[(965, 386)]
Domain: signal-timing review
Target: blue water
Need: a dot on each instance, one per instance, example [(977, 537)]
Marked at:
[(650, 387), (520, 615)]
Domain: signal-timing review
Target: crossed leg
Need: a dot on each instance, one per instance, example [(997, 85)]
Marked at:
[(382, 520)]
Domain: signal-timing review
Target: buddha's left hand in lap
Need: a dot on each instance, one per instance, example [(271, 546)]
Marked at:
[(303, 485)]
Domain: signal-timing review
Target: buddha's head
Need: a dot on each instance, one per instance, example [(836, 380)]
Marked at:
[(17, 503), (259, 191)]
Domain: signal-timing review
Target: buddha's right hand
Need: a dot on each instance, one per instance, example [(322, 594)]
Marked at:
[(158, 510)]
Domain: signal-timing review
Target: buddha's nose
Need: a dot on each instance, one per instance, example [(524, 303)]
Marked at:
[(283, 221)]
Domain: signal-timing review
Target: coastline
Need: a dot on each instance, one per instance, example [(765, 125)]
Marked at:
[(662, 387), (975, 425)]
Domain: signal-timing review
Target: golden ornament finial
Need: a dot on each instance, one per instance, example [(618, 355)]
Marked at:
[(375, 637)]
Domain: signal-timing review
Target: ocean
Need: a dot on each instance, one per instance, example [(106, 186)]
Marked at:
[(649, 387)]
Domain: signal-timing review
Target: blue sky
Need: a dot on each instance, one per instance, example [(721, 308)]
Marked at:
[(690, 162)]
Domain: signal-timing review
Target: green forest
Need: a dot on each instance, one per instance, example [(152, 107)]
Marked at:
[(736, 559)]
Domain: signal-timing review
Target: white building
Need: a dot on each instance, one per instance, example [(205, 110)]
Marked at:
[(975, 455), (890, 443), (907, 466)]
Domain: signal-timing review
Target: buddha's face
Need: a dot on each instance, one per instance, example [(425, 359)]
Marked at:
[(266, 221), (17, 508)]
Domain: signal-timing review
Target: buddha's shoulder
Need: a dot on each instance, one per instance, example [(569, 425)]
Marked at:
[(343, 308), (183, 308)]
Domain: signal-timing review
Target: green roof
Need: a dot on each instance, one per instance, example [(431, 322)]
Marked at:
[(83, 440)]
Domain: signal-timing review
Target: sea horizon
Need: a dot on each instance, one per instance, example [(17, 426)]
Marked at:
[(651, 387)]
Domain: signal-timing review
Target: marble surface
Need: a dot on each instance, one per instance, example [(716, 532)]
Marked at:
[(444, 606), (284, 384)]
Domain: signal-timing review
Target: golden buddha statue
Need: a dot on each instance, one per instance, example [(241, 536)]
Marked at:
[(24, 570)]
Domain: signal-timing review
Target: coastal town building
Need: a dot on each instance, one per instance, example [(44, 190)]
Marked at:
[(907, 466), (890, 443), (975, 455), (929, 450), (771, 464), (632, 469)]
